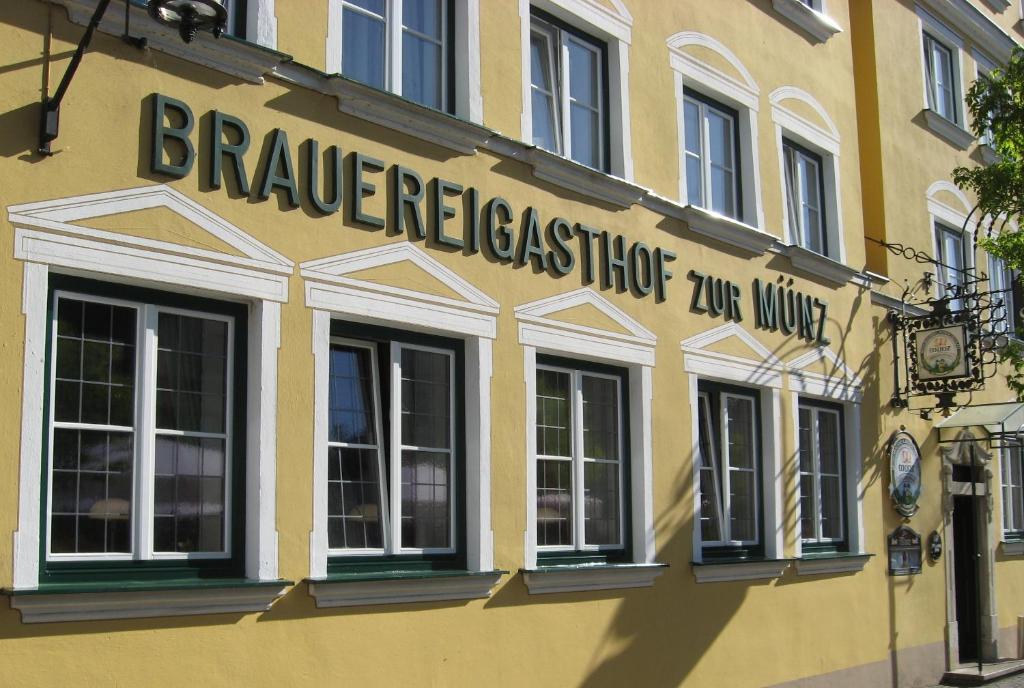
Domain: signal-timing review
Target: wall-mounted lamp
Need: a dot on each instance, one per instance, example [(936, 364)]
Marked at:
[(189, 17)]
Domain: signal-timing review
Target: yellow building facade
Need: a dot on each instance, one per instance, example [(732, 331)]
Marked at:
[(462, 343)]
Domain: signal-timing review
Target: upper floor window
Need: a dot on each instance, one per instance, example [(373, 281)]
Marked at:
[(942, 86), (730, 469), (236, 17), (145, 445), (805, 197), (569, 84), (581, 458), (1005, 286), (403, 46), (822, 485), (950, 271), (711, 132)]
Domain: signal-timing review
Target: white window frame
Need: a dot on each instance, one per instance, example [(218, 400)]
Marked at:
[(820, 137), (816, 473), (704, 157), (1006, 456), (52, 236), (558, 54), (464, 53), (763, 377), (578, 461), (540, 334), (942, 272), (955, 44), (144, 433), (332, 294), (840, 385), (809, 15), (953, 218), (723, 469), (741, 94), (614, 28), (1004, 284)]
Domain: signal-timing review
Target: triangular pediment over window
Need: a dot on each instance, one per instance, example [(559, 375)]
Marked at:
[(732, 353), (823, 373)]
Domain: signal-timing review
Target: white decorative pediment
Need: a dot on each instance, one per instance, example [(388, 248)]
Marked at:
[(633, 343), (838, 382), (331, 286), (67, 215), (56, 233), (761, 367)]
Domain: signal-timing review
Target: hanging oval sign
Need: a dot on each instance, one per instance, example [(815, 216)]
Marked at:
[(905, 473)]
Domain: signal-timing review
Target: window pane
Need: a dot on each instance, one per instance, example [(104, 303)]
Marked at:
[(190, 498), (353, 499), (351, 414), (363, 57), (710, 484), (426, 508), (91, 495), (720, 139), (831, 508), (600, 418), (740, 414), (742, 502), (806, 452), (191, 373), (554, 418), (423, 16), (584, 75), (375, 6), (94, 363), (601, 503), (543, 102), (808, 512), (828, 438), (585, 130), (554, 502), (422, 71), (426, 399)]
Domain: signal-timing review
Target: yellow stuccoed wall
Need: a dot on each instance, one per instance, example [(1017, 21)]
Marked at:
[(736, 634)]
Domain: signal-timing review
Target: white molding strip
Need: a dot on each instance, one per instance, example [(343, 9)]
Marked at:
[(59, 214), (26, 537), (389, 254), (727, 230), (952, 133), (43, 608), (139, 264), (402, 590), (318, 541), (261, 438), (581, 578)]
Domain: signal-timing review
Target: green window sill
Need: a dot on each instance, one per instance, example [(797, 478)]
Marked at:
[(349, 589), (590, 576), (144, 599)]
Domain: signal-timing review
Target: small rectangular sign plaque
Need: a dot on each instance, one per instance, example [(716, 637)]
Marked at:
[(904, 552), (941, 352)]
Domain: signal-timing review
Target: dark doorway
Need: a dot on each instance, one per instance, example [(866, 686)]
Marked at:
[(965, 550)]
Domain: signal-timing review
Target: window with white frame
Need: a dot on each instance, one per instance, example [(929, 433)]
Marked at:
[(402, 46), (1013, 493), (711, 160), (236, 17), (822, 471), (950, 271), (581, 457), (1005, 285), (730, 469), (393, 443), (805, 197), (942, 83), (568, 87), (144, 442)]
